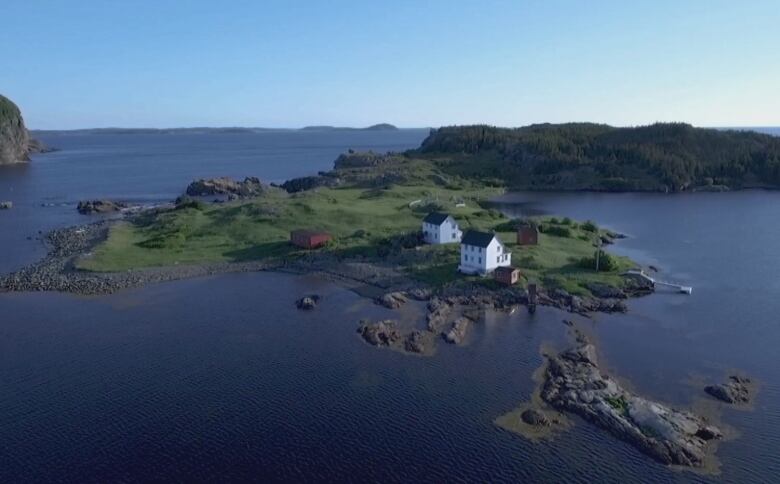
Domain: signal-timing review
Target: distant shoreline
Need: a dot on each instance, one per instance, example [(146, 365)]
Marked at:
[(220, 130)]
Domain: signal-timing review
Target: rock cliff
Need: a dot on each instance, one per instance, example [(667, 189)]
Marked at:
[(15, 141)]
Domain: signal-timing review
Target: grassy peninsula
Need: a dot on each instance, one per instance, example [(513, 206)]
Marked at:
[(372, 205)]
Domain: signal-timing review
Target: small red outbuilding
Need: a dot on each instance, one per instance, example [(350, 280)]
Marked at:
[(527, 235), (309, 239), (507, 275)]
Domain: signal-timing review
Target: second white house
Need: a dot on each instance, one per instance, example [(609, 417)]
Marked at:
[(440, 228), (482, 252)]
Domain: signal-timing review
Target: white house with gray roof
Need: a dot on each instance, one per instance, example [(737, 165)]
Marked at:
[(482, 252), (440, 228)]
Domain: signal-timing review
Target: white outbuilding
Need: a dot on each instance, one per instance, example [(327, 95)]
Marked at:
[(482, 252), (440, 228)]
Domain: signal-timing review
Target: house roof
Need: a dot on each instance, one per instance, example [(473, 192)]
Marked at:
[(436, 218), (508, 269), (478, 239)]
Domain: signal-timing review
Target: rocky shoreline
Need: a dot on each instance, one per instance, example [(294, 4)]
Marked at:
[(56, 272), (384, 281)]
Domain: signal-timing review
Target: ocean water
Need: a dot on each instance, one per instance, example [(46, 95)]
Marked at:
[(222, 379)]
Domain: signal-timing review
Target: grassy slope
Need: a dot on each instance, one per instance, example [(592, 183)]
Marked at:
[(259, 229)]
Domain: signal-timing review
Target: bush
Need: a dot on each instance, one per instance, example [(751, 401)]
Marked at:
[(589, 226), (558, 231), (607, 262), (554, 220), (566, 221), (185, 201)]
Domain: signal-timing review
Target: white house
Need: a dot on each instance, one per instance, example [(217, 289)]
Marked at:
[(481, 253), (440, 228)]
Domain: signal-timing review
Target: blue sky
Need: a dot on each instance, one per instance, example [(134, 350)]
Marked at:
[(162, 63)]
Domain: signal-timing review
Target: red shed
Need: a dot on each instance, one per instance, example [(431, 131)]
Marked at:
[(507, 275), (528, 235), (309, 239)]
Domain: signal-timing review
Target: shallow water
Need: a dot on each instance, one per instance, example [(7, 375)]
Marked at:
[(223, 379)]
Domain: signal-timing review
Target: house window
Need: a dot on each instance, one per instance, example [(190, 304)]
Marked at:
[(499, 249), (498, 259), (480, 260)]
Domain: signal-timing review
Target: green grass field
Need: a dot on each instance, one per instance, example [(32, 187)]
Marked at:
[(362, 222)]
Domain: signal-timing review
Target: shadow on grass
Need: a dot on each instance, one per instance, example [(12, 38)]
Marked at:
[(262, 251)]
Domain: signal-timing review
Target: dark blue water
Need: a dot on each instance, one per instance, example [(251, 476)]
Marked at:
[(222, 379), (154, 167)]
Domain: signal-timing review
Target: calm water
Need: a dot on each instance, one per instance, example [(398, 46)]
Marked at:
[(222, 379)]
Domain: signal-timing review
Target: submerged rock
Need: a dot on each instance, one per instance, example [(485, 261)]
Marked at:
[(382, 333), (307, 302), (88, 207), (736, 390), (575, 383)]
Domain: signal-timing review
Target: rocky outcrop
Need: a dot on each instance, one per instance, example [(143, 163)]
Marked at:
[(364, 159), (575, 383), (534, 417), (737, 390), (249, 187), (6, 205), (605, 291), (307, 303), (89, 207), (457, 333), (392, 300), (381, 333), (309, 183), (418, 342), (15, 141)]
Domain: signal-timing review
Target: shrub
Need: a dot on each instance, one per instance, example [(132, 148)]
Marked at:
[(607, 262), (554, 220), (558, 231), (185, 201), (566, 221), (589, 226)]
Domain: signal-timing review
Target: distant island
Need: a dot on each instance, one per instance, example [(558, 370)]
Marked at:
[(375, 127), (665, 157), (209, 130)]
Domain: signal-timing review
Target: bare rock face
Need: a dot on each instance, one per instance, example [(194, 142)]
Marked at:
[(575, 383), (736, 390), (15, 143), (249, 187)]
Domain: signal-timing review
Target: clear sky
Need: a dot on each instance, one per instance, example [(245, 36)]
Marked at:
[(416, 63)]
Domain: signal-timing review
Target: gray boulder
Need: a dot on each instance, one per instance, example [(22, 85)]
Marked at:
[(535, 418), (307, 303)]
